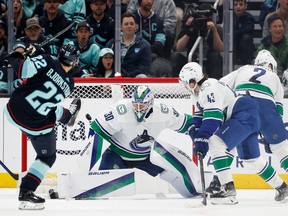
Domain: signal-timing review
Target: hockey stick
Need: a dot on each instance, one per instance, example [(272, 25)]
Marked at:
[(13, 175), (200, 158), (62, 31)]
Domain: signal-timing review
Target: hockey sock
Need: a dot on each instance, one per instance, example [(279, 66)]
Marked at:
[(264, 170), (35, 175)]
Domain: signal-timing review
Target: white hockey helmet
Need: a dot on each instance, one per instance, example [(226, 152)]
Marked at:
[(190, 73), (142, 101), (265, 59)]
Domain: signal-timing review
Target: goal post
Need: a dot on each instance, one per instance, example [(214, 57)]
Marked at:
[(74, 153)]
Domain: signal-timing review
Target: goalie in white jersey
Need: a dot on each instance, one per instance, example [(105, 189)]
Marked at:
[(132, 128), (221, 123)]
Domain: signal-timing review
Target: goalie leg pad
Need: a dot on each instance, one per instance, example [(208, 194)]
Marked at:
[(180, 170)]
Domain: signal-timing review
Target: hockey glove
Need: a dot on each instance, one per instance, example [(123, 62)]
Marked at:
[(33, 50), (201, 144), (192, 131)]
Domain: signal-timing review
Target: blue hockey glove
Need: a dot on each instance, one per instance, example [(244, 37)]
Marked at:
[(192, 131), (201, 144)]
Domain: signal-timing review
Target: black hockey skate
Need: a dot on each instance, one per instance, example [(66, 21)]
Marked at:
[(214, 187), (227, 195), (281, 192), (29, 201), (74, 109)]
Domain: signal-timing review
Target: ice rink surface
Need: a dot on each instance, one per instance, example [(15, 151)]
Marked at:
[(251, 202)]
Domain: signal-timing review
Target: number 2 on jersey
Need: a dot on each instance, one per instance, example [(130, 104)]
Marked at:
[(44, 108), (260, 72)]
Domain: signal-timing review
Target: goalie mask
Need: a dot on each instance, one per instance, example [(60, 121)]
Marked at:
[(265, 59), (191, 73), (142, 101)]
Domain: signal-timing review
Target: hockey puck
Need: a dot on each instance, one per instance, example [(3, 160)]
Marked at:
[(53, 194)]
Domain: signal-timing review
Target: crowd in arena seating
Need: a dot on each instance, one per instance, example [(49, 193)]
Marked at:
[(156, 35)]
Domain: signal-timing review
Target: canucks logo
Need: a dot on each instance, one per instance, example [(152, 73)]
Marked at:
[(142, 142)]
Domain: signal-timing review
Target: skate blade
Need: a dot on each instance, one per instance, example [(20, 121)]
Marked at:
[(25, 205), (231, 200)]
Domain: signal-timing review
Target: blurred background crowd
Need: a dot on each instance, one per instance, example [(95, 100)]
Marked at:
[(157, 37)]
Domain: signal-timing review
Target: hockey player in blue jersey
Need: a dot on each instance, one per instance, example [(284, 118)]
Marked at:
[(221, 123), (34, 108)]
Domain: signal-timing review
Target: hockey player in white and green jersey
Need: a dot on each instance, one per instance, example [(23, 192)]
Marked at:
[(132, 127), (221, 123), (262, 83)]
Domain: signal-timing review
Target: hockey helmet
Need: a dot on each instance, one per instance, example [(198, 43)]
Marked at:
[(265, 59), (69, 55), (190, 73)]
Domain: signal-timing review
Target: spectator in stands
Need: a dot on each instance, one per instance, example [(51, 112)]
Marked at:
[(243, 33), (89, 51), (74, 10), (105, 67), (19, 19), (29, 7), (3, 8), (165, 9), (283, 12), (3, 39), (3, 53), (53, 21), (110, 9), (33, 34), (101, 23), (212, 42), (180, 8), (150, 27), (268, 6), (276, 42), (135, 51)]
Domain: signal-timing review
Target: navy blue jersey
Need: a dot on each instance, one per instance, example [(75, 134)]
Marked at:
[(45, 84)]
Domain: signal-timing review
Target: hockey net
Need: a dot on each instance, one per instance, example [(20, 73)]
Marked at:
[(96, 94)]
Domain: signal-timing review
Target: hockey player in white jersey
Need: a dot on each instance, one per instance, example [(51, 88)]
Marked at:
[(262, 83), (132, 127), (221, 123)]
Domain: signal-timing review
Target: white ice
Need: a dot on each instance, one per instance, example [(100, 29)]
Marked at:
[(251, 202)]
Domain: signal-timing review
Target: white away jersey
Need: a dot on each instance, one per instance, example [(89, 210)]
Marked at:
[(213, 100), (259, 81), (133, 140)]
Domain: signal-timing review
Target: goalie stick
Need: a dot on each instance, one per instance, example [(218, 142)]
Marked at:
[(13, 175)]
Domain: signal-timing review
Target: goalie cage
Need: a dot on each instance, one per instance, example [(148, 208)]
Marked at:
[(96, 94)]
